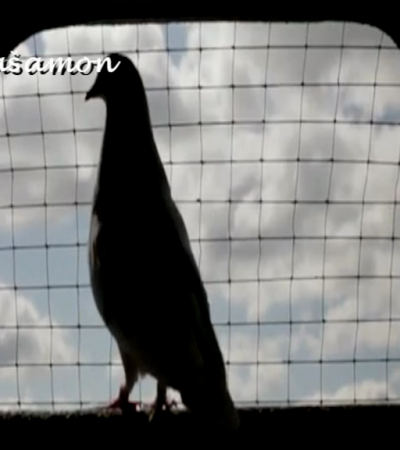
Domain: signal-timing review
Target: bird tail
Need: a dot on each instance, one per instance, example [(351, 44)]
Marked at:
[(227, 414), (215, 404)]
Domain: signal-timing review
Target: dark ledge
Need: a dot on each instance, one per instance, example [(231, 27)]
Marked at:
[(272, 426)]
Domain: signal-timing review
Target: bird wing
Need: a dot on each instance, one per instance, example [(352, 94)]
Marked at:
[(199, 366), (202, 343)]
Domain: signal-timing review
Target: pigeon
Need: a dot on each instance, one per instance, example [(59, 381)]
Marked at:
[(144, 278)]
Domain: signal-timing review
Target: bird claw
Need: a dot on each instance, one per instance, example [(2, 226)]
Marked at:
[(158, 406), (169, 405), (123, 403)]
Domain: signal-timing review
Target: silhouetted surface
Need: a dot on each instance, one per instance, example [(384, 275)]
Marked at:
[(272, 427)]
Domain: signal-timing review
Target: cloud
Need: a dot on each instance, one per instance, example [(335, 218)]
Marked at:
[(27, 346), (364, 392)]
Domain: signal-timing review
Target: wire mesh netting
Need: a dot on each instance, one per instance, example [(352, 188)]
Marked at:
[(281, 144)]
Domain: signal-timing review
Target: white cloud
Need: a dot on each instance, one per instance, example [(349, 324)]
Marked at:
[(364, 392), (19, 310), (27, 346)]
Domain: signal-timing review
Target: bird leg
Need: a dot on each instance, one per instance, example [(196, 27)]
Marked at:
[(160, 401), (131, 375), (122, 401)]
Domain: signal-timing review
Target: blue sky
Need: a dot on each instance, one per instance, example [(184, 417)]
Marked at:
[(64, 267)]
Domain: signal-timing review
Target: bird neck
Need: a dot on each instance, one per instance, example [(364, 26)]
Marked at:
[(130, 165)]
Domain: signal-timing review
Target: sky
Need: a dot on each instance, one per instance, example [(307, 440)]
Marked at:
[(300, 152)]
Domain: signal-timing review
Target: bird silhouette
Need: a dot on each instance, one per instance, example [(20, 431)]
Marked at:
[(144, 277)]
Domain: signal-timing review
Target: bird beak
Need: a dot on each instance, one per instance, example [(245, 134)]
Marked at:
[(89, 95), (92, 93)]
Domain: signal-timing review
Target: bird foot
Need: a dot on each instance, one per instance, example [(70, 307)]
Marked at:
[(158, 406), (123, 403)]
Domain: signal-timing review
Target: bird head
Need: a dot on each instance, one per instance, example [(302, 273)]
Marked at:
[(112, 82)]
